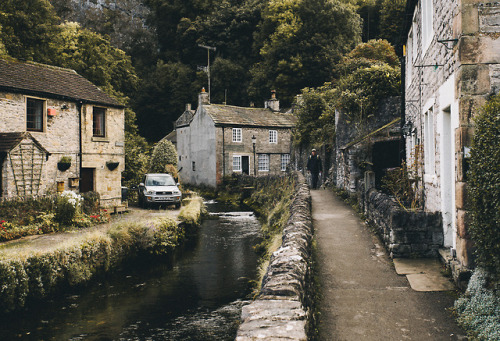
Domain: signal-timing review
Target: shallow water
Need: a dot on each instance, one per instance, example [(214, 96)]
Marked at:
[(197, 297)]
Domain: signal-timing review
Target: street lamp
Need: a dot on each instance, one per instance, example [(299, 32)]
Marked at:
[(254, 141)]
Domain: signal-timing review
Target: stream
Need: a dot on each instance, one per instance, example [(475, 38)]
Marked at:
[(197, 296)]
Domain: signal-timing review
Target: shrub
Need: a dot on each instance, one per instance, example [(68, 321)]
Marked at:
[(67, 206), (90, 204), (484, 187), (164, 154), (167, 235), (192, 212)]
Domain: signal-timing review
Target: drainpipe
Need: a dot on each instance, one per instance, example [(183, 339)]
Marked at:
[(223, 153), (79, 108), (402, 146)]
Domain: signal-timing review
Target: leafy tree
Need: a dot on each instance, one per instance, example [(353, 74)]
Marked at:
[(316, 116), (92, 56), (162, 96), (299, 42), (484, 185), (164, 154), (392, 15), (28, 28), (369, 10)]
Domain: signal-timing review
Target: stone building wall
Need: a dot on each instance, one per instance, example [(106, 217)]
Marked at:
[(61, 137), (282, 309), (262, 146)]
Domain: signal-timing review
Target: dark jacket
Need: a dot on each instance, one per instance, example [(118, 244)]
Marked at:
[(314, 164)]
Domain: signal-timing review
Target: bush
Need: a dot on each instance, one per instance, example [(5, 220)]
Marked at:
[(164, 154), (67, 206), (484, 187)]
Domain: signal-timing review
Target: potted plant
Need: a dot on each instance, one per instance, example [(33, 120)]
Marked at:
[(64, 163)]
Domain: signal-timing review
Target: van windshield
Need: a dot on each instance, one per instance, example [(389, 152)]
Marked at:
[(159, 180)]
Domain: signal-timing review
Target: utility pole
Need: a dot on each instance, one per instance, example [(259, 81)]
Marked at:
[(208, 48)]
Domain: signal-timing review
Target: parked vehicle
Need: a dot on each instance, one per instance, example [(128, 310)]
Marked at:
[(159, 188)]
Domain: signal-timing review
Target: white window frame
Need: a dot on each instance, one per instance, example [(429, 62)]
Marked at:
[(429, 144), (237, 135), (427, 31), (273, 136), (263, 162), (237, 166), (285, 160)]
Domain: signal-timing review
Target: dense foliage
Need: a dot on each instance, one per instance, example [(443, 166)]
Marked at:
[(164, 154), (366, 75), (484, 187)]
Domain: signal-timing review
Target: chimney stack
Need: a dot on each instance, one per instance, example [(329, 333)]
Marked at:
[(203, 97), (273, 103)]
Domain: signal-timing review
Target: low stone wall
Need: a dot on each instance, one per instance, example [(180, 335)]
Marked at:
[(281, 310), (405, 234)]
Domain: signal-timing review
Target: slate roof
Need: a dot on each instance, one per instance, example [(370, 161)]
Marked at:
[(10, 140), (50, 81), (226, 115)]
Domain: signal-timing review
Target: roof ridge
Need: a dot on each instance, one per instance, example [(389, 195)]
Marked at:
[(59, 68)]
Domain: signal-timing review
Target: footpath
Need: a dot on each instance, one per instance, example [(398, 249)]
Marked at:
[(362, 296)]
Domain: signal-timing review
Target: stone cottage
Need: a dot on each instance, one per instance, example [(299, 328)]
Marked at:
[(452, 65), (58, 131), (218, 140)]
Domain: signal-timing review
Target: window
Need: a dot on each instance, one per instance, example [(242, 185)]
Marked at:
[(409, 58), (193, 166), (236, 134), (34, 114), (99, 122), (429, 144), (427, 29), (263, 162), (237, 163), (273, 136), (285, 160)]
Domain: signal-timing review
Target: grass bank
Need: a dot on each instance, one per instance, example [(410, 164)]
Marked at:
[(28, 273)]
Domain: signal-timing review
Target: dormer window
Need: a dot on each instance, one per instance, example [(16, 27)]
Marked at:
[(99, 122), (35, 114)]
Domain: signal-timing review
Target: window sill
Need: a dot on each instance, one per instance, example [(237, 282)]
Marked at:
[(100, 139)]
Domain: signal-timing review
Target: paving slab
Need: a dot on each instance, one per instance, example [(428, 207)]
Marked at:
[(423, 274)]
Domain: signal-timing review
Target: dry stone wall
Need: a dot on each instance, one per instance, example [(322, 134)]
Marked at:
[(281, 310)]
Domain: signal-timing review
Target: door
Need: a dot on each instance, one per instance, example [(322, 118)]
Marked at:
[(245, 165), (87, 176)]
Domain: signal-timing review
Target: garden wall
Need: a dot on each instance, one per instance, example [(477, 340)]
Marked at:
[(405, 233), (282, 308)]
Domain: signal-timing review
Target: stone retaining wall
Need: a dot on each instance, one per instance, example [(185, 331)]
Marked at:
[(405, 233), (281, 310)]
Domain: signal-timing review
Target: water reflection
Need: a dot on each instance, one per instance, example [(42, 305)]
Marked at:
[(198, 298)]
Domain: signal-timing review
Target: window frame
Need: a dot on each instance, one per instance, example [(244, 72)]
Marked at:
[(273, 136), (42, 115), (427, 32), (237, 135), (285, 161), (240, 168), (263, 161), (102, 129), (429, 143)]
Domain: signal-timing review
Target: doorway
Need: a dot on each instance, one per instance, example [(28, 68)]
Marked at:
[(87, 177), (447, 177), (245, 165)]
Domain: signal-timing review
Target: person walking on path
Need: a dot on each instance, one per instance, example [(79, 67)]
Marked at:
[(362, 297), (314, 166)]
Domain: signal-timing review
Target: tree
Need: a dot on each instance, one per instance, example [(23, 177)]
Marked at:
[(299, 42), (92, 56), (164, 154), (392, 15), (162, 96), (28, 28)]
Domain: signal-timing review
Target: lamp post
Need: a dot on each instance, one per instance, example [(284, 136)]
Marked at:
[(254, 141)]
